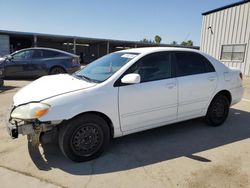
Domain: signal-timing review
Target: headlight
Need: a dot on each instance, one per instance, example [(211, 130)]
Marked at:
[(30, 111)]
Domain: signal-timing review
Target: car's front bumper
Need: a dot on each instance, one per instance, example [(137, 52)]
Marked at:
[(16, 127), (31, 128), (12, 130)]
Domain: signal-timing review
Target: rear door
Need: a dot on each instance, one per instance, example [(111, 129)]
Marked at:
[(53, 58), (197, 81), (35, 66)]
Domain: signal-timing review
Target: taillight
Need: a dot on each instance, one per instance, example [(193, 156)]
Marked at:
[(75, 61), (241, 76)]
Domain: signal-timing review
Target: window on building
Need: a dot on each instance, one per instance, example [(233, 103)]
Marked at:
[(234, 52)]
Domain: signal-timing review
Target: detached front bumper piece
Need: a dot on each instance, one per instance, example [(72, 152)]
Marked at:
[(12, 130), (15, 128), (34, 130)]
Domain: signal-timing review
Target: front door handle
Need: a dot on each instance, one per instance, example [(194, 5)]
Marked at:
[(211, 78)]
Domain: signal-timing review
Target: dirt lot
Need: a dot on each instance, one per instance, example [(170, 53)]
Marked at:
[(187, 154)]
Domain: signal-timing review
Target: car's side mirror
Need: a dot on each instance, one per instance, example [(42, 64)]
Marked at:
[(9, 57), (131, 79)]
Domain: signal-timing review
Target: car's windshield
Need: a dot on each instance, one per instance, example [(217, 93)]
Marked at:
[(104, 67)]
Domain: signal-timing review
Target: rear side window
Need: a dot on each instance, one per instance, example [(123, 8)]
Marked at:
[(152, 67), (189, 63), (38, 54), (51, 54)]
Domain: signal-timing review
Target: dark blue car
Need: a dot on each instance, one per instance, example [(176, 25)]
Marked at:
[(36, 62)]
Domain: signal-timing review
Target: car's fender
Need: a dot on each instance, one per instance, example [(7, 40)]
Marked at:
[(98, 99)]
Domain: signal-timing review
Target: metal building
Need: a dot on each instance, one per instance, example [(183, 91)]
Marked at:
[(226, 35)]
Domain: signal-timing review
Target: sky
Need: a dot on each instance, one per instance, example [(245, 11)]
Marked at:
[(173, 20)]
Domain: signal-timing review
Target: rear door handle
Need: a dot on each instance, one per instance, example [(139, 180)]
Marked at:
[(170, 85), (211, 78)]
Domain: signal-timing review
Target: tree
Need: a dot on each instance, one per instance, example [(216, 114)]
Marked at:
[(187, 43), (174, 43), (157, 39), (190, 43), (147, 41)]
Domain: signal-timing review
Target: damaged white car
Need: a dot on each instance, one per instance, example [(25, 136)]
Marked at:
[(123, 93)]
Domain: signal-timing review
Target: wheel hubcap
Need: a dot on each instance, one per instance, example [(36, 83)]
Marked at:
[(57, 71), (87, 139), (219, 109)]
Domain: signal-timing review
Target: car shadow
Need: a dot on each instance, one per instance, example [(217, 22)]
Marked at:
[(152, 146), (6, 88)]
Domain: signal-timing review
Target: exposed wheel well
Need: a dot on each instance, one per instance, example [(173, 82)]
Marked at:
[(105, 117), (226, 93)]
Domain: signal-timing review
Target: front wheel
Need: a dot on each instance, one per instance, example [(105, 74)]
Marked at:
[(218, 110), (84, 138)]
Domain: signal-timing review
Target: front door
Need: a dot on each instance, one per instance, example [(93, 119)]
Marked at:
[(18, 66), (152, 102)]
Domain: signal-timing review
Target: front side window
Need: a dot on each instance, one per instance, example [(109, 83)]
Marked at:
[(233, 52), (152, 67), (189, 63), (104, 67), (27, 54)]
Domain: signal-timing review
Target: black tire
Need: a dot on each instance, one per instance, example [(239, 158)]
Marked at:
[(218, 110), (84, 137), (57, 70)]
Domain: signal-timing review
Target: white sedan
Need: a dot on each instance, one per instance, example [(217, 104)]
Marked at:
[(123, 93)]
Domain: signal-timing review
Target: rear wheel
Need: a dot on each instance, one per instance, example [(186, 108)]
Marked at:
[(218, 110), (56, 70), (84, 138)]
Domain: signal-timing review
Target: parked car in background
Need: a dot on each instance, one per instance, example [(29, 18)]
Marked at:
[(36, 62), (123, 93)]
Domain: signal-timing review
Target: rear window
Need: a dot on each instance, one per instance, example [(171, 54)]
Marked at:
[(189, 63), (50, 54)]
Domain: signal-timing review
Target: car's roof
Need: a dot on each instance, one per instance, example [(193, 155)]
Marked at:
[(51, 49), (157, 49)]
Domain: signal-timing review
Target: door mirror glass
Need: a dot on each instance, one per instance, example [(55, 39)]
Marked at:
[(131, 79), (9, 57)]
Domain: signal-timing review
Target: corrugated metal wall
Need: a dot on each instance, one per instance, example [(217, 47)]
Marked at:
[(229, 26), (4, 45)]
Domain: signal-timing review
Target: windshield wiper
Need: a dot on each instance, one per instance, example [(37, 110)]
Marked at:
[(88, 79)]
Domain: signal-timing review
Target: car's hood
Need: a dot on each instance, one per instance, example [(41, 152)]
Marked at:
[(49, 86)]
